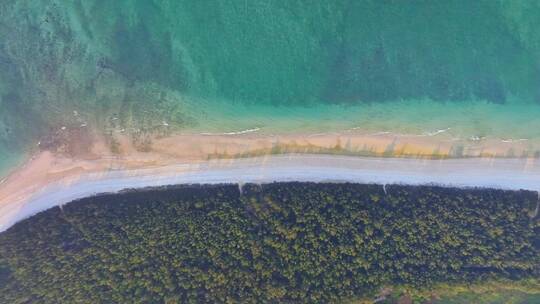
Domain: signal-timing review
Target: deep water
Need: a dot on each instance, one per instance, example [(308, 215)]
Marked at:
[(207, 66)]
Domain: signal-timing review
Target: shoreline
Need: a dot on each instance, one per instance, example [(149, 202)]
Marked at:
[(438, 144), (163, 155), (506, 174)]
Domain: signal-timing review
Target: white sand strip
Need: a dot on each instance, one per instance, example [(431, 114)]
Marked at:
[(511, 174)]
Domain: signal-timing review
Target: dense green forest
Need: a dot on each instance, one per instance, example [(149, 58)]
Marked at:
[(280, 242)]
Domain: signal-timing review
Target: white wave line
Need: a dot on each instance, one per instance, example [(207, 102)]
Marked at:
[(436, 132), (509, 140), (234, 133), (379, 133)]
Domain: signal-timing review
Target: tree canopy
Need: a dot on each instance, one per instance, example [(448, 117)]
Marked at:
[(279, 242)]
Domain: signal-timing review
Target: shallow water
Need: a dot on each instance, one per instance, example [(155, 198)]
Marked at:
[(8, 161), (412, 117), (468, 69)]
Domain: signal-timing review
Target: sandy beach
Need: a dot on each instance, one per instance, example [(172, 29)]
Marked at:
[(51, 178)]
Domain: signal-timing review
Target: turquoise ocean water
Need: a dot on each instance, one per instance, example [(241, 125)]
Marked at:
[(224, 66)]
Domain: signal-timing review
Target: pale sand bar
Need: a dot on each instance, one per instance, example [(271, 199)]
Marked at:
[(20, 199)]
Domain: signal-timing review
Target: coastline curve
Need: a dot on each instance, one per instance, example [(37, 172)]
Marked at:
[(507, 174)]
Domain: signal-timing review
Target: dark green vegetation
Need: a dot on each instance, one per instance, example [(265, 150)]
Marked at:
[(281, 242), (493, 298), (130, 56)]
